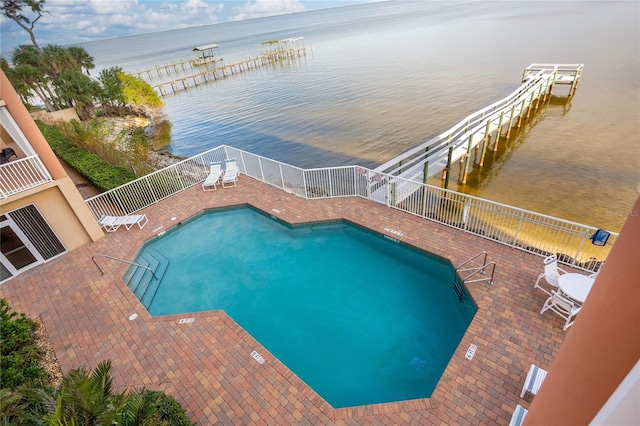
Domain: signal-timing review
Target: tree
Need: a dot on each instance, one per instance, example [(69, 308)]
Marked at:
[(78, 91), (111, 96), (13, 9), (55, 75), (122, 92), (81, 58), (138, 92)]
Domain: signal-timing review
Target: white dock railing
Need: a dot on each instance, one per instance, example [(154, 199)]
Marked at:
[(476, 130), (522, 229)]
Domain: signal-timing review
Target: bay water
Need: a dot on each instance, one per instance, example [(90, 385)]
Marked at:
[(378, 79)]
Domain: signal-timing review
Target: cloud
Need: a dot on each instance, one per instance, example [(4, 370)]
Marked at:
[(77, 21), (80, 21), (261, 8)]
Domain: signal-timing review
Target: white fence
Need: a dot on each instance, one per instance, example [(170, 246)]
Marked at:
[(521, 229)]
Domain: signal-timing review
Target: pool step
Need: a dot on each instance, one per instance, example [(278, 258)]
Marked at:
[(150, 291), (141, 280), (136, 273)]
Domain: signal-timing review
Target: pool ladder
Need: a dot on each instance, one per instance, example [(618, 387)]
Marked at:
[(472, 270)]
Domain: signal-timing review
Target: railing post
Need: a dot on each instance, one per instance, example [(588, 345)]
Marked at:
[(281, 175), (425, 172), (261, 171), (304, 184), (447, 170), (153, 194), (515, 237), (179, 178), (467, 158), (387, 190), (355, 180), (244, 166), (394, 192), (513, 111), (585, 236), (498, 134), (486, 141), (330, 185)]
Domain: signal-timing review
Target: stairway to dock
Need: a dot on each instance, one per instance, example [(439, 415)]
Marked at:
[(474, 131)]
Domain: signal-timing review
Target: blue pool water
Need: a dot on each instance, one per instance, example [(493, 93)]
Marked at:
[(360, 318)]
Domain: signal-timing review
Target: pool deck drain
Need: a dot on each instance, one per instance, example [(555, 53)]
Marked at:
[(205, 364)]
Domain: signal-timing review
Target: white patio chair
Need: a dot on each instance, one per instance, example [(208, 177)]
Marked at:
[(551, 273), (112, 223), (534, 380), (562, 306), (215, 171), (231, 172), (595, 274), (518, 415)]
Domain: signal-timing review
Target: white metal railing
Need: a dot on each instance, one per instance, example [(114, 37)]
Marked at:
[(156, 186), (22, 174), (441, 151), (522, 229)]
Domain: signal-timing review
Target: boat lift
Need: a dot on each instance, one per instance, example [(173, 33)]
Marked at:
[(206, 54)]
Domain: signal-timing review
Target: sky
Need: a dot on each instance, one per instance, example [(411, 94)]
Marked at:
[(78, 21)]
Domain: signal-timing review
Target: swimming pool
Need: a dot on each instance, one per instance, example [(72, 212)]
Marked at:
[(360, 318)]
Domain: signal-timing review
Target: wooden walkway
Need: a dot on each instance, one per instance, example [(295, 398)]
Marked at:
[(478, 130), (201, 74)]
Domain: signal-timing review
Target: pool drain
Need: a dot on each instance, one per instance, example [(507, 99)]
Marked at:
[(418, 363)]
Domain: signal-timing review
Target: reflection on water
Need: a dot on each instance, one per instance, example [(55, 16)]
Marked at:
[(380, 79)]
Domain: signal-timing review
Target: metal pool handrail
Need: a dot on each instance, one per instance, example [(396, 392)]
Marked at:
[(475, 269), (93, 258)]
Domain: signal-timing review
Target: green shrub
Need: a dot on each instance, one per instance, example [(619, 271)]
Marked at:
[(168, 411), (98, 172), (19, 355), (84, 398)]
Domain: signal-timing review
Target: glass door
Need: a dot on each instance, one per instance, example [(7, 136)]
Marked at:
[(18, 254)]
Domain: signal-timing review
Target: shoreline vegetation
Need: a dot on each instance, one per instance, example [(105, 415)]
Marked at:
[(109, 151)]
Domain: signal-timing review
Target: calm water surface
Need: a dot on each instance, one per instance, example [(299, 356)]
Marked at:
[(379, 79)]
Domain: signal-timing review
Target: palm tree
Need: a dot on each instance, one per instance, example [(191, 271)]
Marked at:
[(13, 408), (56, 59), (33, 72), (28, 80), (86, 398), (81, 58), (78, 91)]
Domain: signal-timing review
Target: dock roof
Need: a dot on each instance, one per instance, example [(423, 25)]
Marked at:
[(205, 47)]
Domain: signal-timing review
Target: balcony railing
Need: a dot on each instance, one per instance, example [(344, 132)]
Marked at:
[(22, 174)]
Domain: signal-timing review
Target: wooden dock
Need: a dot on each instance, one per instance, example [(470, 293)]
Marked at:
[(479, 130), (185, 74)]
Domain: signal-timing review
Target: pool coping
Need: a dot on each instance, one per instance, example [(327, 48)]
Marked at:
[(86, 315)]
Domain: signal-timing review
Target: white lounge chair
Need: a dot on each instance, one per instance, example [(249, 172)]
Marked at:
[(215, 171), (518, 415), (534, 379), (112, 223), (551, 273), (562, 306), (231, 172)]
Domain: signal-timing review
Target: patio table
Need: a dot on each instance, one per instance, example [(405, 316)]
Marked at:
[(576, 286)]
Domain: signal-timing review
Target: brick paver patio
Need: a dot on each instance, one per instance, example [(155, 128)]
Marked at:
[(206, 364)]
